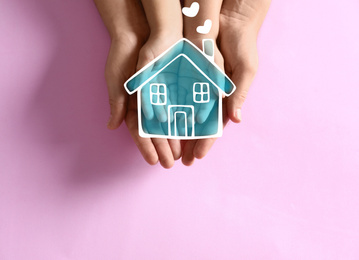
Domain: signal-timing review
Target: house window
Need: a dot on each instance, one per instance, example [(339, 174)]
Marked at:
[(158, 94), (201, 92)]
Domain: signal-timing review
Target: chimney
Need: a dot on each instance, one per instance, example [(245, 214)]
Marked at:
[(208, 49)]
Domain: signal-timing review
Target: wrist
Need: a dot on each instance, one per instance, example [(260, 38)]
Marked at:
[(128, 37), (198, 39), (135, 32), (191, 33), (164, 17), (209, 10), (167, 34)]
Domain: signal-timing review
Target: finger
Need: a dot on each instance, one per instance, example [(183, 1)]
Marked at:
[(242, 78), (117, 99), (206, 108), (120, 65), (202, 147), (145, 145), (118, 105), (224, 112), (176, 148), (164, 152), (187, 156), (147, 108)]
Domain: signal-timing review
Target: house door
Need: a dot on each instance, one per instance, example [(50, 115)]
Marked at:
[(181, 121)]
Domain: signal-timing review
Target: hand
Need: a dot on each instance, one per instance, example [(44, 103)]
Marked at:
[(209, 9), (240, 21), (127, 37), (129, 53), (153, 149), (199, 148), (165, 21)]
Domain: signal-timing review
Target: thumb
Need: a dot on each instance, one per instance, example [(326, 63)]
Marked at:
[(118, 105), (120, 64), (242, 77)]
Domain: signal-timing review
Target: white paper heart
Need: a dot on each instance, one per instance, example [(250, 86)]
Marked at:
[(191, 11), (205, 28)]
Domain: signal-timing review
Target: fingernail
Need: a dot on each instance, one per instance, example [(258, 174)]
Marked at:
[(239, 114)]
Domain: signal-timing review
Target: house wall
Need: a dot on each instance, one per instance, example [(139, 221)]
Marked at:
[(155, 119)]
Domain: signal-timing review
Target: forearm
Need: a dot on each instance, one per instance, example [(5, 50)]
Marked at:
[(209, 9), (164, 17), (123, 17)]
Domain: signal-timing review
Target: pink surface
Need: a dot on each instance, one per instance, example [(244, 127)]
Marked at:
[(281, 185)]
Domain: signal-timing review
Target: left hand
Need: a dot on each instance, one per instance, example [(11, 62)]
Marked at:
[(165, 22), (166, 151)]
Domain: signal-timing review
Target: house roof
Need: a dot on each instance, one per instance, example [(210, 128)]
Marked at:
[(183, 48)]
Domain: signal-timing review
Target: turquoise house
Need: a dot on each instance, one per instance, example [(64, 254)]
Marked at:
[(179, 94)]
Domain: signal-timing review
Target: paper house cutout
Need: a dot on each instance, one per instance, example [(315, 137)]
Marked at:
[(179, 94)]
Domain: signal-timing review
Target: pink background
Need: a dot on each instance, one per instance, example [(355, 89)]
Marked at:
[(281, 185)]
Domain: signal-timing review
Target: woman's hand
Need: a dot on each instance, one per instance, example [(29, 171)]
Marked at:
[(240, 21), (235, 28), (137, 37), (127, 38)]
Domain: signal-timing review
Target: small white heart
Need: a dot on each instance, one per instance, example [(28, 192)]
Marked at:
[(205, 28), (191, 11)]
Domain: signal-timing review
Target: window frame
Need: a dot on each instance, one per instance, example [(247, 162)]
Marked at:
[(201, 92), (158, 94)]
